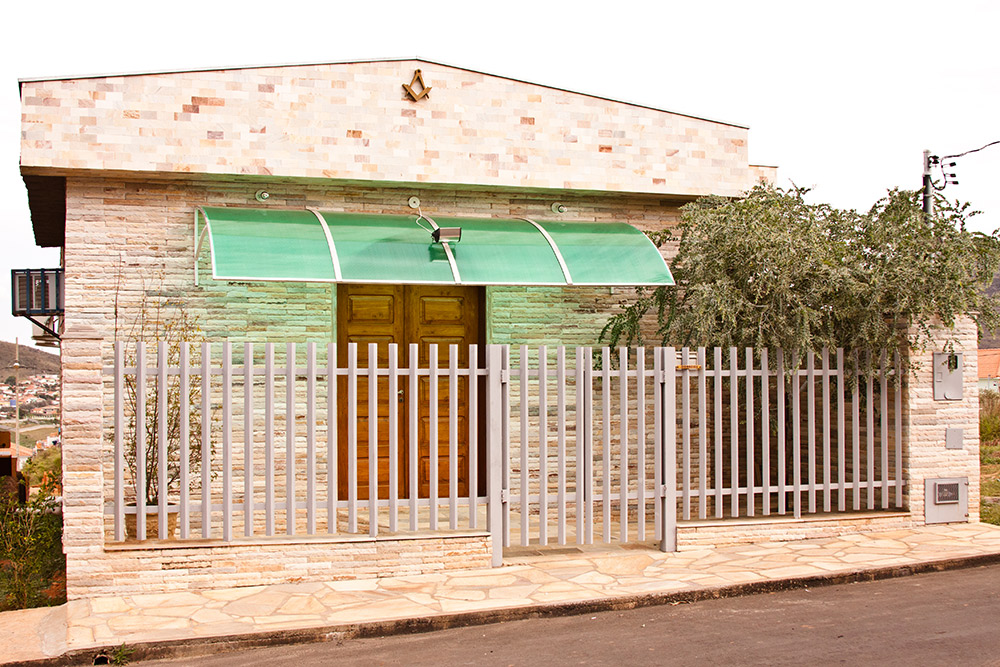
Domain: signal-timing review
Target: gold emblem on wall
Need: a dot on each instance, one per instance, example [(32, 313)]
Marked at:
[(412, 90)]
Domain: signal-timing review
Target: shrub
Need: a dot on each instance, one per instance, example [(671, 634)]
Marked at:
[(989, 416), (30, 547)]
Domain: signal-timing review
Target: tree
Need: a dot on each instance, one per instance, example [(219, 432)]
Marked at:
[(771, 270)]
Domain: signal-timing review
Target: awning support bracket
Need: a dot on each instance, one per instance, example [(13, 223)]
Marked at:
[(555, 249), (201, 240), (329, 239)]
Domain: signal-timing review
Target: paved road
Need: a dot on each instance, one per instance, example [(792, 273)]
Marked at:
[(942, 618)]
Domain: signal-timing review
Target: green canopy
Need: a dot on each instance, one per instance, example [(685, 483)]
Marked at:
[(323, 246)]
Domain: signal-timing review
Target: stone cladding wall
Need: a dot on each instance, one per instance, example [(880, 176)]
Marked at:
[(354, 121), (925, 420)]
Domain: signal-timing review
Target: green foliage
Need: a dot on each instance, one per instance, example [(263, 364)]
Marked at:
[(30, 547), (989, 418), (771, 270), (989, 513), (44, 467)]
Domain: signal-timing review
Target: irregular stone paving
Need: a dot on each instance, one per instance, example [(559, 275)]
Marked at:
[(529, 579)]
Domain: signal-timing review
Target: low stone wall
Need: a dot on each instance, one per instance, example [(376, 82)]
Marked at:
[(713, 534), (165, 567)]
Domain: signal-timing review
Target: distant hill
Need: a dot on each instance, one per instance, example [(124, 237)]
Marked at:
[(33, 361)]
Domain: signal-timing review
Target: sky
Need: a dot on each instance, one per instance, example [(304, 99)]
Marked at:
[(843, 97)]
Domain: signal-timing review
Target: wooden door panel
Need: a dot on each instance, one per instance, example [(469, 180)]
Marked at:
[(443, 315), (422, 314), (368, 314)]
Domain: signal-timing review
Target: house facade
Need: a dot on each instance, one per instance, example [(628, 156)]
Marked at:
[(186, 201)]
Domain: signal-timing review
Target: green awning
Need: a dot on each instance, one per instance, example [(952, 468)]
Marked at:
[(323, 246)]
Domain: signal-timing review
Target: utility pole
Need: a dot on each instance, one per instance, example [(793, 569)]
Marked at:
[(928, 186), (17, 406)]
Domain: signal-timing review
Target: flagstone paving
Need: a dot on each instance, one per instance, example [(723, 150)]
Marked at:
[(527, 580)]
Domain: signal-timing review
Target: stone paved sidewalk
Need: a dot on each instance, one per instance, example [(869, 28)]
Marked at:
[(527, 583)]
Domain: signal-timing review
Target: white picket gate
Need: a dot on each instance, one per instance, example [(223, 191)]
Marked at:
[(571, 445)]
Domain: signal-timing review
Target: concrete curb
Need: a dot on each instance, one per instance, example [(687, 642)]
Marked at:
[(202, 646)]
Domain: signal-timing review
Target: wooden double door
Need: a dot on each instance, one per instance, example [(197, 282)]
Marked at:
[(404, 314)]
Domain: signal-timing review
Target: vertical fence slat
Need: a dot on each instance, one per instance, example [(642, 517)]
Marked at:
[(870, 422), (765, 433), (522, 361), (668, 532), (811, 428), (702, 438), (474, 442), (162, 462), (856, 436), (588, 442), (779, 379), (751, 496), (734, 437), (140, 441), (717, 390), (119, 382), (685, 436), (658, 444), (623, 438), (841, 436), (248, 439), (269, 461), (373, 453), (290, 438), (543, 454), (453, 437), (581, 468), (505, 444), (899, 429), (561, 443), (433, 439), (352, 438), (826, 430), (393, 404), (606, 443), (206, 440), (640, 441), (227, 441), (332, 478), (884, 444), (184, 446), (310, 438), (796, 437), (414, 444)]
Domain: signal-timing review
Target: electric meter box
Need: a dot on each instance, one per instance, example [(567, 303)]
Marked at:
[(946, 500), (948, 376)]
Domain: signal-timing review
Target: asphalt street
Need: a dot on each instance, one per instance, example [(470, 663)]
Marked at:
[(940, 618)]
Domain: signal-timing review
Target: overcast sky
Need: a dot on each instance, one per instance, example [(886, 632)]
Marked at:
[(842, 97)]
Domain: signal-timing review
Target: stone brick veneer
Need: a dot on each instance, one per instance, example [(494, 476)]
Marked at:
[(189, 566), (353, 121), (925, 421)]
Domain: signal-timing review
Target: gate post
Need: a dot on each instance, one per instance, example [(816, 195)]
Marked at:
[(668, 455), (494, 448)]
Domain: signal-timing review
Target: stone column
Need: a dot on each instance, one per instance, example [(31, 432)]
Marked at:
[(83, 479), (925, 421)]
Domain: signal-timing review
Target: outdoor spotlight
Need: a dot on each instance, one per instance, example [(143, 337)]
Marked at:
[(447, 235)]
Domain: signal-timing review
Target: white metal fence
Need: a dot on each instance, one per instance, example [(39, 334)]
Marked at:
[(539, 446)]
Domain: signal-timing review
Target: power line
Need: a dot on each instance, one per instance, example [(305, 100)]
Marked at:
[(974, 150)]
